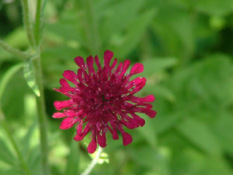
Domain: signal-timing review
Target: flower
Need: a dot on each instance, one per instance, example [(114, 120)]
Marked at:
[(103, 100)]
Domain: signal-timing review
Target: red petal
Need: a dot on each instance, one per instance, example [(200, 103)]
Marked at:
[(107, 57), (78, 137), (97, 62), (58, 115), (80, 128), (90, 62), (71, 113), (127, 138), (68, 123), (130, 124), (151, 113), (137, 68), (102, 140), (119, 68), (71, 76), (80, 62), (114, 133), (92, 146), (62, 104), (80, 75), (125, 67), (64, 83), (140, 120), (149, 98), (139, 83), (114, 63)]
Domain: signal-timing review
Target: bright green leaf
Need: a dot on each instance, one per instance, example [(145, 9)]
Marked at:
[(29, 75), (200, 135)]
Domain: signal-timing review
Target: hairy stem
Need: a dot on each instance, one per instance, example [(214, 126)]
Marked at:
[(93, 163), (13, 51), (42, 120), (38, 22), (27, 24)]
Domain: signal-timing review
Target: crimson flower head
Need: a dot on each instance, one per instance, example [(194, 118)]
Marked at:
[(103, 100)]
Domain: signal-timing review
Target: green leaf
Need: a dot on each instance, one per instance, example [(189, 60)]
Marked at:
[(33, 160), (200, 135), (112, 25), (26, 140), (216, 7), (134, 33), (224, 130), (163, 122), (73, 159), (154, 159), (152, 66), (12, 171), (6, 155), (17, 38), (7, 77), (148, 131), (29, 75)]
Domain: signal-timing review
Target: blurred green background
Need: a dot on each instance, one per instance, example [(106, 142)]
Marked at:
[(186, 47)]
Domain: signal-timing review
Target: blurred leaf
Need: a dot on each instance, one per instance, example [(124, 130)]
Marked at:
[(216, 7), (72, 166), (148, 131), (29, 75), (164, 92), (153, 66), (216, 166), (11, 171), (6, 155), (7, 77), (114, 12), (25, 142), (164, 122), (134, 33), (200, 135), (154, 160), (224, 130), (193, 162), (174, 35), (33, 160), (17, 38)]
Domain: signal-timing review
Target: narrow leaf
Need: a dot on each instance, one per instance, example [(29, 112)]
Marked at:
[(5, 154), (29, 75)]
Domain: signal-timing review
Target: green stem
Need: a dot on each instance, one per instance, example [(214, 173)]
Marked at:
[(92, 27), (40, 100), (13, 51), (38, 21), (42, 120), (26, 20), (13, 143), (93, 163)]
